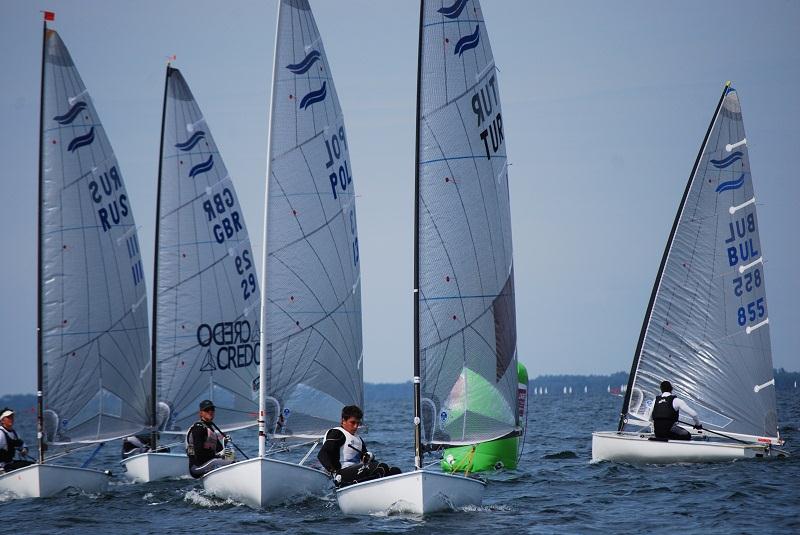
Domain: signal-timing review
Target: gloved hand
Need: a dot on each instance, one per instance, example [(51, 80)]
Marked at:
[(229, 454), (337, 479), (699, 427), (24, 452), (367, 458)]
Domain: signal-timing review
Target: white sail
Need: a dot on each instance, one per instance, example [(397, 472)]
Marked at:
[(93, 303), (466, 316), (707, 329), (207, 292), (313, 287)]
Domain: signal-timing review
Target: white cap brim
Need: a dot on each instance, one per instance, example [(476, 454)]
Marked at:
[(6, 413)]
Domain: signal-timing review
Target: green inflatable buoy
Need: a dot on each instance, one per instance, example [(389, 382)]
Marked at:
[(494, 454)]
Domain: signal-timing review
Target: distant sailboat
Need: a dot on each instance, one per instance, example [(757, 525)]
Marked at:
[(207, 299), (706, 328), (311, 355), (92, 341), (465, 358)]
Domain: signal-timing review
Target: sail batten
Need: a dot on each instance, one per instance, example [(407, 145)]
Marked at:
[(93, 334), (466, 317), (313, 291), (207, 290), (707, 326)]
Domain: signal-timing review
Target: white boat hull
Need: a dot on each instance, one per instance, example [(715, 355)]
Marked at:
[(261, 482), (418, 492), (637, 448), (44, 480), (146, 467)]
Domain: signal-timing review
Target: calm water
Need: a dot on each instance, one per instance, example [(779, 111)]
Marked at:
[(555, 490)]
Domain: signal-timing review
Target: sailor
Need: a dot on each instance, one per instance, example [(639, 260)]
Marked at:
[(666, 414), (10, 443), (134, 445), (344, 454), (204, 446)]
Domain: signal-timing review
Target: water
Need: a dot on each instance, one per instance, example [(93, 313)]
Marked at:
[(555, 490)]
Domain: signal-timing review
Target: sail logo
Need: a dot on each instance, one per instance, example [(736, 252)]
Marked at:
[(733, 184), (81, 141), (305, 65), (314, 97), (70, 116), (106, 190), (191, 142), (483, 104), (468, 42), (454, 11), (202, 167), (727, 162), (236, 342)]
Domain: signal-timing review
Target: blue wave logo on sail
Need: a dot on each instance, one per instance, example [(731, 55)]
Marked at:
[(468, 42), (733, 184), (453, 11), (192, 141), (73, 112), (303, 66), (727, 162), (202, 167), (314, 97), (81, 141)]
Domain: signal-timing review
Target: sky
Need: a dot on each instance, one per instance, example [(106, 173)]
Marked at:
[(605, 106)]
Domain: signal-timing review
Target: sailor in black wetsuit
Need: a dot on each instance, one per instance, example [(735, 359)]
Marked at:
[(345, 456), (204, 445), (666, 413), (10, 443)]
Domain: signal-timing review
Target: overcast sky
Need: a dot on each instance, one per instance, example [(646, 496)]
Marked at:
[(605, 105)]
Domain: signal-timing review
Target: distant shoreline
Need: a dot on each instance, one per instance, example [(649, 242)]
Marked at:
[(552, 384)]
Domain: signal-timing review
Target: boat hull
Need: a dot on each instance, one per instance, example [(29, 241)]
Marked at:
[(637, 448), (261, 482), (44, 480), (146, 467), (491, 455), (419, 492)]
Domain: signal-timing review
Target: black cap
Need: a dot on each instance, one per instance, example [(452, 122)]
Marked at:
[(206, 404), (666, 386)]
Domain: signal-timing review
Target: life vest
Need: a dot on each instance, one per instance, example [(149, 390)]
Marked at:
[(352, 450), (664, 416), (211, 444), (12, 443)]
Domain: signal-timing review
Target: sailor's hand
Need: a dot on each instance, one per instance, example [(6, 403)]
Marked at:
[(367, 458), (699, 427), (228, 454), (24, 452), (337, 478)]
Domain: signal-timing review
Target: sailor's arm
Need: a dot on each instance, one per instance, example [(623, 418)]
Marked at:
[(682, 407), (329, 452)]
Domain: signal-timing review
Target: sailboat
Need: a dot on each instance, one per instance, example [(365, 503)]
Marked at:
[(311, 352), (464, 313), (706, 328), (92, 332), (205, 342)]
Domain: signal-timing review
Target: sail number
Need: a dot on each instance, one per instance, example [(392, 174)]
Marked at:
[(339, 176), (222, 206), (747, 282), (754, 310), (244, 265)]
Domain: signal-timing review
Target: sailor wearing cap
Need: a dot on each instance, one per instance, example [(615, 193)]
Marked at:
[(204, 445), (10, 443)]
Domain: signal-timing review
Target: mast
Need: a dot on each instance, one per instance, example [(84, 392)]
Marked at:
[(635, 365), (153, 341), (418, 453), (39, 275), (262, 364)]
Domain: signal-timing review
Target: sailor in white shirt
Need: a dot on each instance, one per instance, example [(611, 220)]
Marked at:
[(666, 414)]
